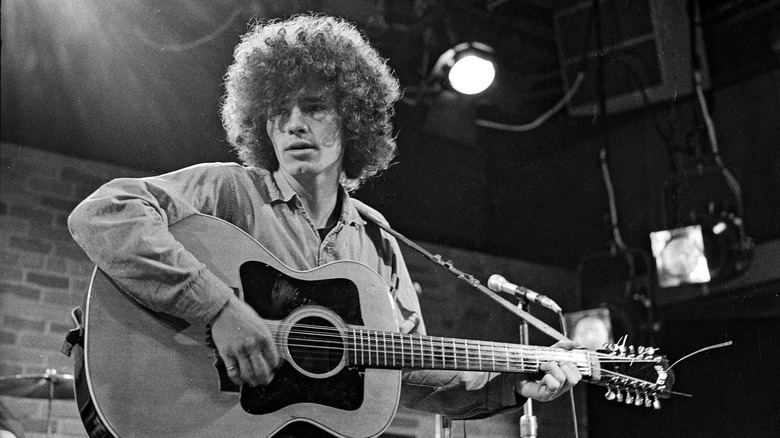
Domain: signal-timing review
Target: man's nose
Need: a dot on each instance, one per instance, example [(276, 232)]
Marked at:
[(295, 122)]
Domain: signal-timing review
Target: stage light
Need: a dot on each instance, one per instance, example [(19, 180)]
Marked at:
[(591, 328), (469, 68), (715, 249), (679, 256)]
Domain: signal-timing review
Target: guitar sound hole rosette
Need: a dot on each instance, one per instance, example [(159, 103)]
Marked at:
[(313, 341)]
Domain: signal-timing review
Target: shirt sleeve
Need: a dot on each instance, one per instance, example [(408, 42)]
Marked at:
[(455, 394), (123, 228)]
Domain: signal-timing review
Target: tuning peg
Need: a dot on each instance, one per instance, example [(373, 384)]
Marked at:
[(610, 395), (639, 400), (656, 403), (649, 401), (629, 397), (619, 396)]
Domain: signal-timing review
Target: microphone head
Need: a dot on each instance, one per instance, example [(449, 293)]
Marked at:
[(495, 282)]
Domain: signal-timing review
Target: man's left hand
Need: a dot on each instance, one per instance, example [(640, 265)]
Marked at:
[(559, 377)]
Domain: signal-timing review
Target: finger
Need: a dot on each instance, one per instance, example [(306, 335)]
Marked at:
[(573, 375), (232, 369), (550, 383), (247, 372), (263, 372), (554, 377), (270, 354), (567, 345)]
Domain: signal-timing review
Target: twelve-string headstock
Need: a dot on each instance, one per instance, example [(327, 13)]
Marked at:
[(635, 376)]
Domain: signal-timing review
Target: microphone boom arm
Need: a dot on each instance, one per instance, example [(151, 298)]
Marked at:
[(437, 259)]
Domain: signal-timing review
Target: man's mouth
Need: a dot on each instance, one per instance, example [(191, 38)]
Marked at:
[(297, 146)]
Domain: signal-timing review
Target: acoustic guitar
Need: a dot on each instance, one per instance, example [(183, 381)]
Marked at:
[(147, 374)]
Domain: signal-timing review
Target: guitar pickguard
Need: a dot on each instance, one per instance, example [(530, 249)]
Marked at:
[(274, 296)]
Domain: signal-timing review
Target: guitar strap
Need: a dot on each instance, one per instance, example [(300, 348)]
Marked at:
[(437, 259)]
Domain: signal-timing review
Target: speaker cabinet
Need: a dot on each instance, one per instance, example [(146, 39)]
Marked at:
[(646, 53)]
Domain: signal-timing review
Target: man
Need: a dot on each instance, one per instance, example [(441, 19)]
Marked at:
[(307, 107)]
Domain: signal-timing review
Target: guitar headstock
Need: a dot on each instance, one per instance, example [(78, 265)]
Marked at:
[(635, 376)]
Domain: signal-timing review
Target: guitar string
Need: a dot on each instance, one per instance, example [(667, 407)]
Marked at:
[(460, 351), (373, 338), (626, 381), (448, 361), (448, 355), (373, 343), (524, 365)]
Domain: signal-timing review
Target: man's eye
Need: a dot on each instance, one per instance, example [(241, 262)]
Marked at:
[(315, 107), (277, 112)]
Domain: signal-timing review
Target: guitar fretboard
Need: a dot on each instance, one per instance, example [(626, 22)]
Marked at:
[(403, 351)]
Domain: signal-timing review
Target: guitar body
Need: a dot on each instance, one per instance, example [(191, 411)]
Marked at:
[(143, 374)]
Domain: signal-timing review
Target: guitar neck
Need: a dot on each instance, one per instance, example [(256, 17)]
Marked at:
[(380, 349)]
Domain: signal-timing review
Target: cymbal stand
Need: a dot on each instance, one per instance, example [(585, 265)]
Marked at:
[(50, 380)]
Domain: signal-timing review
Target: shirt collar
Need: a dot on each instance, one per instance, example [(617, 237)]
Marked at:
[(349, 213), (281, 190)]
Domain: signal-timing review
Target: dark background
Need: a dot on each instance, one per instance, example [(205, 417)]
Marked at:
[(137, 83)]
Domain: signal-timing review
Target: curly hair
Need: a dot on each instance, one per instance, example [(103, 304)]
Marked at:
[(276, 59)]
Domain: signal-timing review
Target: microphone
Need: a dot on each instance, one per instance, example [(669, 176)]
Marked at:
[(498, 283)]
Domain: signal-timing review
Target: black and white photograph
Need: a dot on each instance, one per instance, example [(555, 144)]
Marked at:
[(397, 219)]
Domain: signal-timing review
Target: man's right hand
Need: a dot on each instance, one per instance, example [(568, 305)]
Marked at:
[(245, 344)]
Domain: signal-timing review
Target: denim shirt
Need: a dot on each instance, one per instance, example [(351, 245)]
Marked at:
[(123, 227)]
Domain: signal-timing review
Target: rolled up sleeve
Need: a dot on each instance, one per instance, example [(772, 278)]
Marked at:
[(123, 228)]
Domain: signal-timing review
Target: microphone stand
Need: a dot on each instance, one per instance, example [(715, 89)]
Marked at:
[(528, 424)]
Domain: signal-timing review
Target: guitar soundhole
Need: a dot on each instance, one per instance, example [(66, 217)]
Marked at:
[(315, 345)]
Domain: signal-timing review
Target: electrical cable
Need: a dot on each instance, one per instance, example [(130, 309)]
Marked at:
[(697, 79), (542, 118)]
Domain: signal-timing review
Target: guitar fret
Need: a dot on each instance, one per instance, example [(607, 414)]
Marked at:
[(538, 361), (362, 350), (384, 344), (454, 355), (354, 346), (443, 354), (468, 354), (376, 349), (411, 349), (422, 353), (392, 336), (433, 353), (368, 341), (403, 354)]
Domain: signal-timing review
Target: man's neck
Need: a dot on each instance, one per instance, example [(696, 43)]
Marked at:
[(319, 197)]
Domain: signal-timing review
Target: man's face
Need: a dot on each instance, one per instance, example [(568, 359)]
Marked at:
[(306, 134)]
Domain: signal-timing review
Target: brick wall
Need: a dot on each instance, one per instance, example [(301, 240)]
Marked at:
[(43, 273)]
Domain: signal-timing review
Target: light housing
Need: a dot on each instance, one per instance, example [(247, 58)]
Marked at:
[(590, 328), (468, 68), (714, 249), (679, 256)]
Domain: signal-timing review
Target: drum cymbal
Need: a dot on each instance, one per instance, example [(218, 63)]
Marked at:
[(47, 386)]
